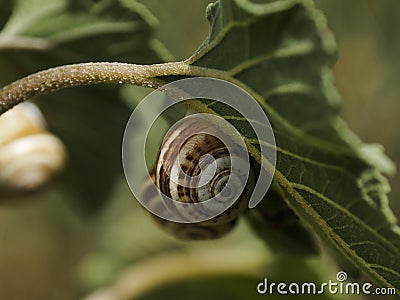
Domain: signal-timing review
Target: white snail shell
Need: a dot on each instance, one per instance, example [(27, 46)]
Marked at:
[(29, 154), (186, 150)]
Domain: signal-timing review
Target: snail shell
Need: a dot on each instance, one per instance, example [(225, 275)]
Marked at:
[(29, 154), (193, 167)]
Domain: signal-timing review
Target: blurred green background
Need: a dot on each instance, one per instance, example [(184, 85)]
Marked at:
[(47, 251)]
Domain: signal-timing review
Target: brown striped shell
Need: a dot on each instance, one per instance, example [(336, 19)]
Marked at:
[(185, 158)]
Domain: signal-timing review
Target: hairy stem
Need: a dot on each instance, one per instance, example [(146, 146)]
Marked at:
[(93, 73), (84, 74)]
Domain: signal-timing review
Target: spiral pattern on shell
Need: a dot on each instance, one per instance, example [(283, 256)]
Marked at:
[(194, 166), (29, 154), (190, 190)]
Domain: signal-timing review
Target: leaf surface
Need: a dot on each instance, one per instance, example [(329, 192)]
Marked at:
[(281, 53), (39, 34)]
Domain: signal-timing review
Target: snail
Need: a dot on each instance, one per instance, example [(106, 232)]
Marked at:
[(29, 154), (193, 166)]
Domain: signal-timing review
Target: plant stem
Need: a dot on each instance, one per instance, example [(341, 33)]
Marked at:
[(93, 73), (136, 281), (81, 74), (37, 44)]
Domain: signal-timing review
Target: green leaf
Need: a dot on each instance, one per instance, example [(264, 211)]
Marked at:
[(281, 53), (62, 31), (39, 34), (279, 227)]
